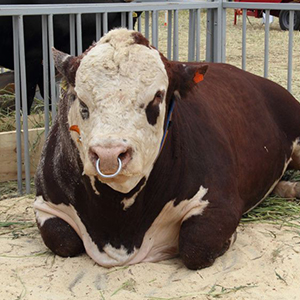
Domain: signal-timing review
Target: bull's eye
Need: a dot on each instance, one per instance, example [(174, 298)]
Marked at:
[(152, 110), (84, 110)]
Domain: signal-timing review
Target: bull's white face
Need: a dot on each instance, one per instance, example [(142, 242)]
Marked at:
[(120, 104)]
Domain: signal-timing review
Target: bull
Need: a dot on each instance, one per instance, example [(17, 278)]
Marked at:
[(151, 158)]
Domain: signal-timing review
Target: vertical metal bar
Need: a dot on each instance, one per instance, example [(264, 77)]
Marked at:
[(147, 25), (218, 30), (52, 68), (190, 36), (175, 36), (290, 51), (197, 33), (17, 101), (98, 27), (169, 46), (79, 33), (223, 32), (105, 23), (191, 40), (45, 73), (123, 19), (130, 20), (209, 35), (155, 28), (24, 103), (216, 43), (244, 39), (267, 33), (72, 35), (140, 23)]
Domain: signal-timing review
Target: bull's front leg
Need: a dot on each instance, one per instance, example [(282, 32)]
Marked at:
[(58, 235), (61, 238), (205, 237)]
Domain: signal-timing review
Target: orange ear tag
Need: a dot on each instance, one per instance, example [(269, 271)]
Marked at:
[(198, 77), (75, 128)]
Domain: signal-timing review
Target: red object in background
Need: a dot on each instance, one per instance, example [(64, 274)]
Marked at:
[(257, 13)]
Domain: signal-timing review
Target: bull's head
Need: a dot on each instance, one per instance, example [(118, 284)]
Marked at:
[(122, 93)]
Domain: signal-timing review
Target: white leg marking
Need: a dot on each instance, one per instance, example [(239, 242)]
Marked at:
[(42, 217), (161, 239), (69, 215)]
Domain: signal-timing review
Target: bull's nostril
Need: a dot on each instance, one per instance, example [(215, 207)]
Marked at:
[(93, 156), (125, 156)]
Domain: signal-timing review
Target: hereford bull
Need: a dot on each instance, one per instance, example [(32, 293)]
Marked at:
[(179, 189)]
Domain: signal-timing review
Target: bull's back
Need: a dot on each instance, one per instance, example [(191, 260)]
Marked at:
[(254, 120)]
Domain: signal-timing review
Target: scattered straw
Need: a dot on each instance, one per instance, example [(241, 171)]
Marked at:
[(127, 285), (9, 189), (27, 256), (216, 291), (275, 210), (24, 289)]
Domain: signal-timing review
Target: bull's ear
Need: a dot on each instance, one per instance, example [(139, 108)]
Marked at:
[(194, 73), (66, 65)]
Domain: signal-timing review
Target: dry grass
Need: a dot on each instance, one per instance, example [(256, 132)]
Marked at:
[(8, 114)]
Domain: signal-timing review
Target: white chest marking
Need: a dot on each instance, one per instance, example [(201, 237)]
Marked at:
[(160, 240), (127, 202), (92, 179)]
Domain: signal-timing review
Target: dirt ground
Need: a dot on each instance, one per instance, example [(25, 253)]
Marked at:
[(262, 264)]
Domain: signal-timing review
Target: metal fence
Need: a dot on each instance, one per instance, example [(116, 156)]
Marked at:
[(215, 48)]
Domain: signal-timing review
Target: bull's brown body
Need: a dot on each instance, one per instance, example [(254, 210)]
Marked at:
[(232, 133)]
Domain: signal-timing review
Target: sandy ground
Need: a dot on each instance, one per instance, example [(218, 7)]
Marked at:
[(262, 264)]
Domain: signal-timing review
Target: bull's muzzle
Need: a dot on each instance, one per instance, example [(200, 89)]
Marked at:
[(110, 160)]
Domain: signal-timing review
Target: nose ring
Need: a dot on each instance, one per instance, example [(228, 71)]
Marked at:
[(109, 175)]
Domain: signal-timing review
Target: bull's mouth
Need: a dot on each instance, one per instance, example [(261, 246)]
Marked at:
[(122, 182)]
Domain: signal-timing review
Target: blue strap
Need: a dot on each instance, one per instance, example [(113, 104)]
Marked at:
[(168, 123)]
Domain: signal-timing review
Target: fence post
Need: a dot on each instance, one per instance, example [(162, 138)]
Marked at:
[(209, 36), (191, 43), (17, 101), (222, 25), (215, 34)]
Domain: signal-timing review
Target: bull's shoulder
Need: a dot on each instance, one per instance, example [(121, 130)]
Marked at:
[(59, 169)]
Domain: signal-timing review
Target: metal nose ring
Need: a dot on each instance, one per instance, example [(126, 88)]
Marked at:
[(110, 175)]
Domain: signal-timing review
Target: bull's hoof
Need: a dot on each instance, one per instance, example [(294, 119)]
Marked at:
[(61, 238), (194, 263)]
